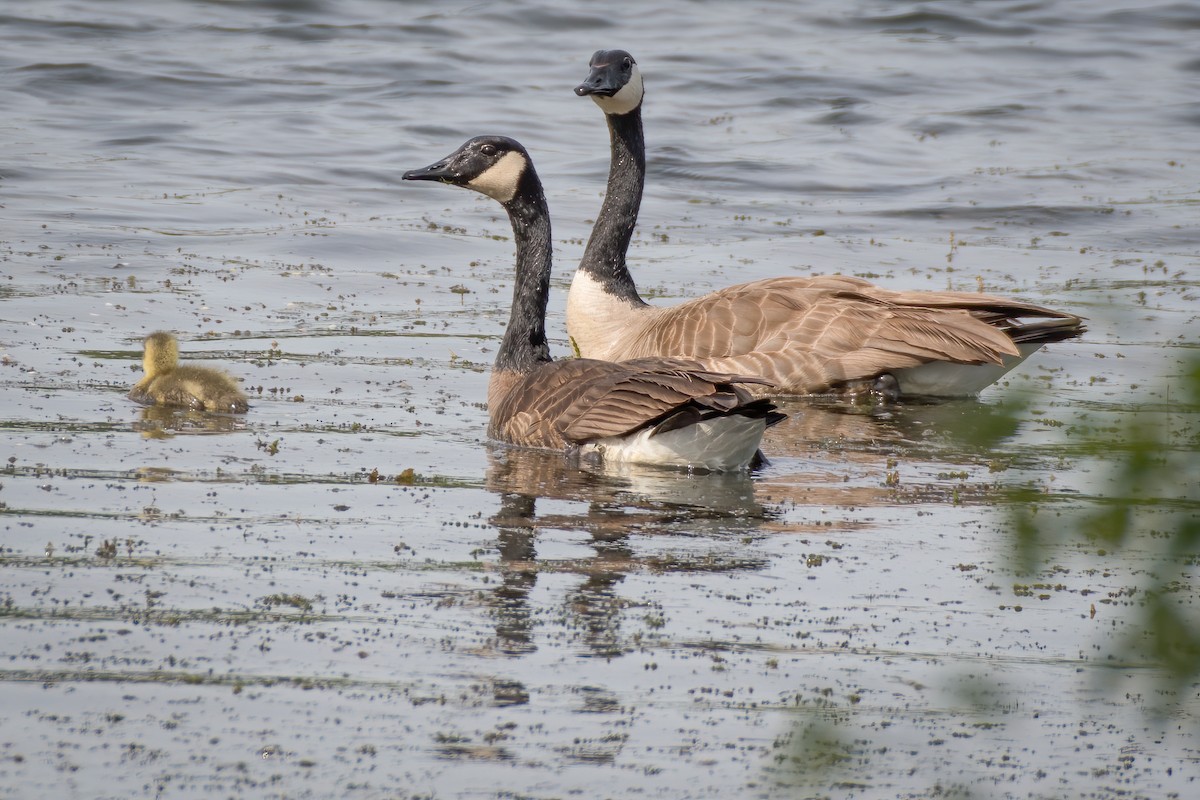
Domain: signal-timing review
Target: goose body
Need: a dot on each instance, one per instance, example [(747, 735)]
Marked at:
[(166, 383), (813, 335), (653, 410)]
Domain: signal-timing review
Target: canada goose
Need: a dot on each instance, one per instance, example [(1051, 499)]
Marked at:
[(168, 384), (656, 411), (804, 335)]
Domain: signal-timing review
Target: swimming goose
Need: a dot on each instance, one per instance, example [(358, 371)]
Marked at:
[(654, 410), (813, 335), (168, 384)]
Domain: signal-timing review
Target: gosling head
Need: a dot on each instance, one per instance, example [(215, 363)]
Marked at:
[(161, 355), (492, 165), (615, 83)]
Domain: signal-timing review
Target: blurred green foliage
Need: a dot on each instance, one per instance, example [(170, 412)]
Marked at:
[(1148, 501), (1140, 464)]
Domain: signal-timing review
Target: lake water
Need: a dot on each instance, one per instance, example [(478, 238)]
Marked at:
[(348, 593)]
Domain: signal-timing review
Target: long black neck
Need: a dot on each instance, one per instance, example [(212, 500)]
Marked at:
[(604, 256), (524, 346)]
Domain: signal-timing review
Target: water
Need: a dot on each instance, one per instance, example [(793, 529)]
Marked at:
[(348, 593)]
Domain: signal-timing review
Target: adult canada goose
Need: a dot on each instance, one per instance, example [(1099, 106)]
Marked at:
[(168, 384), (804, 335), (655, 410)]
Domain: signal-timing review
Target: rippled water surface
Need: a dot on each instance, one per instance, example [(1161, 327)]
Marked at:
[(348, 593)]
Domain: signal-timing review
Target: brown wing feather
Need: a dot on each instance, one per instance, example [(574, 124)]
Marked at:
[(808, 334), (570, 402)]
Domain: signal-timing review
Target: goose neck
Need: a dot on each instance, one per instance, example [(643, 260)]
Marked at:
[(604, 256), (524, 346)]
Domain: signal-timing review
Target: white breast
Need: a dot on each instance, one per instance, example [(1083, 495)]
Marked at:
[(597, 319)]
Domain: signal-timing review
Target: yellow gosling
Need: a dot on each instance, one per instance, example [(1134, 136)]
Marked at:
[(168, 384)]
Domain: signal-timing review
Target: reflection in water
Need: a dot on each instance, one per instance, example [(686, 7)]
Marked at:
[(830, 460), (617, 504), (518, 574), (156, 474), (833, 454), (943, 428), (619, 489), (163, 422)]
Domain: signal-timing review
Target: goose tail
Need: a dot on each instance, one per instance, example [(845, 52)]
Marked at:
[(1045, 331)]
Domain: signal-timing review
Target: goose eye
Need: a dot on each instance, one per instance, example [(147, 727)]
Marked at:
[(488, 149)]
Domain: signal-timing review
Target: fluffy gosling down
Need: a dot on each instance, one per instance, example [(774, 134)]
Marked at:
[(168, 384), (649, 411)]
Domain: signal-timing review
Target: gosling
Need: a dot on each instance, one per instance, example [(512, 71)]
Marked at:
[(168, 384)]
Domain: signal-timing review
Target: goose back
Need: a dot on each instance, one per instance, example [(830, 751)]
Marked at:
[(570, 403), (197, 388), (812, 335)]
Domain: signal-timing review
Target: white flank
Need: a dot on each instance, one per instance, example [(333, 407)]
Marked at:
[(626, 100), (499, 181), (945, 379), (722, 443)]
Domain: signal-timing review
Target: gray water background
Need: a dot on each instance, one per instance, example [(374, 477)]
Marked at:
[(203, 606)]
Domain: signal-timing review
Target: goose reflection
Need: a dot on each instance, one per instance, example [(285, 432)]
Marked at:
[(834, 454), (829, 471), (518, 574), (164, 422), (949, 429), (610, 506)]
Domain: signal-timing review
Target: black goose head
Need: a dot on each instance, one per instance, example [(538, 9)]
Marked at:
[(615, 82), (491, 165)]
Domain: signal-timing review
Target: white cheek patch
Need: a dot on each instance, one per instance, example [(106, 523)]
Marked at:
[(626, 100), (500, 180)]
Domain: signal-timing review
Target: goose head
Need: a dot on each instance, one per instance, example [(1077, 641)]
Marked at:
[(615, 83), (491, 165), (161, 354)]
